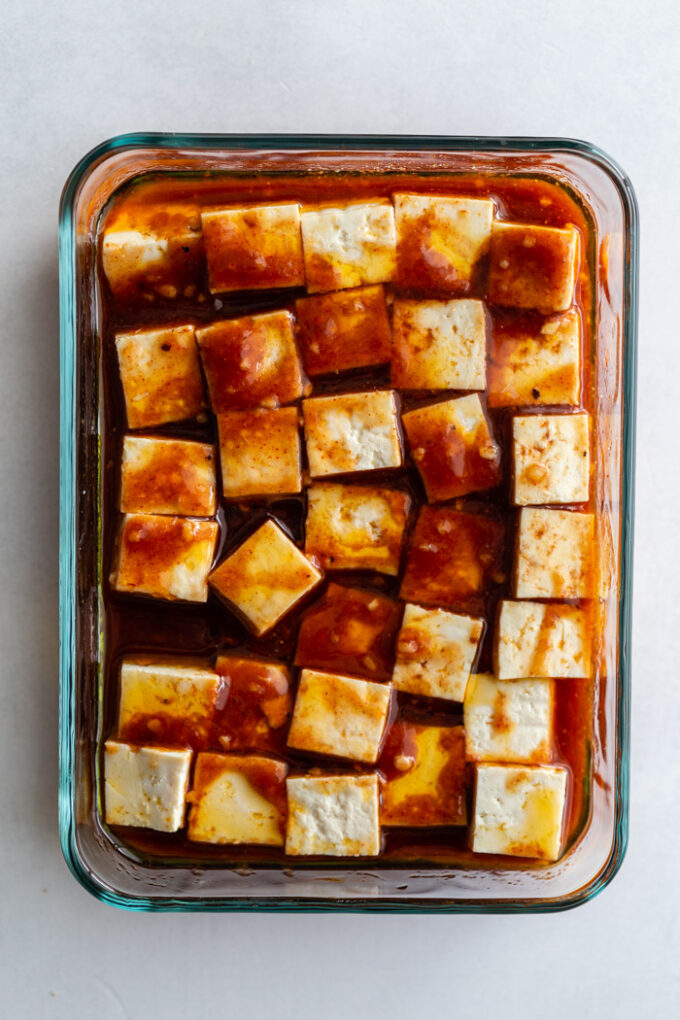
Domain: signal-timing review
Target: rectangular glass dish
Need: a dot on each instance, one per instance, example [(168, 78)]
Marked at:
[(148, 875)]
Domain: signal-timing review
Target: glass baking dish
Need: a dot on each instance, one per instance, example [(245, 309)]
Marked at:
[(110, 870)]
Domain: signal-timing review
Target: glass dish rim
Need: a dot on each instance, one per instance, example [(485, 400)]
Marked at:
[(67, 524)]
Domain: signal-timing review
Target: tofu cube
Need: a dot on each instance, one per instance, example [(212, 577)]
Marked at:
[(339, 715), (508, 720), (435, 652), (424, 768), (352, 432), (260, 452), (440, 240), (334, 816), (253, 247), (532, 266), (350, 630), (349, 246), (453, 447), (454, 558), (251, 362), (534, 365), (167, 476), (145, 786), (439, 345), (554, 554), (551, 458), (265, 577), (165, 557), (167, 703), (354, 527), (161, 376), (535, 639), (238, 799), (519, 810), (343, 330), (258, 703)]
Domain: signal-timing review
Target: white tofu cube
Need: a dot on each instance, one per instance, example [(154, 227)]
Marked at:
[(533, 366), (439, 345), (253, 247), (554, 554), (145, 786), (349, 246), (161, 376), (265, 577), (260, 451), (508, 720), (167, 476), (424, 768), (519, 810), (339, 715), (166, 703), (352, 432), (532, 266), (435, 652), (335, 816), (237, 799), (536, 639), (551, 458)]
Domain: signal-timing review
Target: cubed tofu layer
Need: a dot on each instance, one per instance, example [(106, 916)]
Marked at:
[(440, 240), (339, 715), (238, 799), (167, 703), (343, 330), (161, 376), (532, 266), (518, 810), (508, 720), (253, 247), (435, 652), (535, 639), (534, 363), (251, 362), (352, 432), (145, 786), (425, 771), (354, 527), (260, 452), (554, 554), (165, 557), (453, 447), (167, 476), (258, 703), (551, 458), (265, 577), (349, 246), (439, 345), (335, 816)]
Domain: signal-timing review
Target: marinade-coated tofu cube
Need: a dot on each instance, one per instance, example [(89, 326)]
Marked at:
[(352, 432), (251, 362), (532, 266), (166, 557), (351, 630), (336, 816), (508, 720), (536, 639), (518, 810), (439, 345), (167, 703), (551, 458), (354, 527), (453, 447), (435, 652), (238, 799), (253, 247), (554, 554), (533, 365), (161, 375), (440, 240), (145, 786), (453, 557), (258, 703), (349, 246), (339, 715), (343, 330), (167, 476), (425, 771), (260, 452), (265, 577)]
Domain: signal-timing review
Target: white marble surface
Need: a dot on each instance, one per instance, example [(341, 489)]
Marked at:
[(74, 73)]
